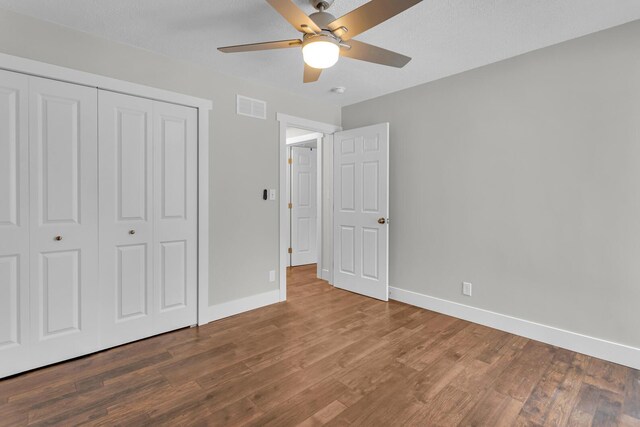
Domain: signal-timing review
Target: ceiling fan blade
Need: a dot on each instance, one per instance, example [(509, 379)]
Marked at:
[(295, 16), (371, 53), (311, 74), (369, 15), (281, 44)]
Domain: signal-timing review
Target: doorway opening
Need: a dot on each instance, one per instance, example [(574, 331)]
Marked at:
[(304, 197), (353, 243), (306, 205)]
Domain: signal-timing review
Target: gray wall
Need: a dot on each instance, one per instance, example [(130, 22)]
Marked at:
[(244, 151), (523, 177)]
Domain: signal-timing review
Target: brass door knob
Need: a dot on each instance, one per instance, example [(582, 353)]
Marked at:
[(132, 231), (382, 221), (57, 238)]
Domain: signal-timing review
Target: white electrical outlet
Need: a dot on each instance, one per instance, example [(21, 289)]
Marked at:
[(272, 276), (466, 288), (272, 194)]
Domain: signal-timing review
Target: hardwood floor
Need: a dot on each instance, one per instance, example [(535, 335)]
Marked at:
[(328, 357)]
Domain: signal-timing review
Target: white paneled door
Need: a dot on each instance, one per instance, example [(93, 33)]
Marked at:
[(304, 210), (361, 204), (175, 209), (14, 220), (126, 217), (64, 220), (98, 219), (148, 217)]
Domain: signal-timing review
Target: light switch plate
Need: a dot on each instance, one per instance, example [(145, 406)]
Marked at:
[(272, 276)]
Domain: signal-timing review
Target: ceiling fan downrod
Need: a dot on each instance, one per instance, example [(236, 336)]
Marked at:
[(321, 5)]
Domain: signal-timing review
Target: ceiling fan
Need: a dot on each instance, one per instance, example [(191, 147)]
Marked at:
[(326, 38)]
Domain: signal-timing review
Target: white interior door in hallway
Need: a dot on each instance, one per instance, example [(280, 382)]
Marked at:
[(304, 207), (361, 209)]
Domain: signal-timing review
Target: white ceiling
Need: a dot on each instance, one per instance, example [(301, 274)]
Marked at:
[(444, 37)]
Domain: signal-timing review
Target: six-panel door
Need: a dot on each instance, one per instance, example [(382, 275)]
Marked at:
[(64, 295), (14, 221), (361, 203)]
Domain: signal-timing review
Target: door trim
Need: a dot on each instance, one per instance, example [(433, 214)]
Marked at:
[(298, 122), (204, 218), (204, 106)]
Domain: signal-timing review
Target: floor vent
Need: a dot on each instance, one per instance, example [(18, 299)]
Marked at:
[(251, 107)]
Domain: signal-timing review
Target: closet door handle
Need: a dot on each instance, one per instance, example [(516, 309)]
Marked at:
[(132, 232), (57, 238)]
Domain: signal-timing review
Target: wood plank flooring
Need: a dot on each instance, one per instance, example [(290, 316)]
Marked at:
[(328, 357)]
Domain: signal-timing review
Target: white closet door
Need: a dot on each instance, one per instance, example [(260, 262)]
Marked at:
[(64, 233), (14, 223), (126, 217), (175, 216), (304, 211)]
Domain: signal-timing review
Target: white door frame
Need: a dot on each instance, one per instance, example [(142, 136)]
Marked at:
[(287, 121), (204, 106)]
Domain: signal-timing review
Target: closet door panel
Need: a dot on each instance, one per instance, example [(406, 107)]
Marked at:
[(9, 301), (60, 290), (63, 206), (173, 167), (132, 283), (175, 236), (12, 105), (58, 145), (126, 217), (173, 275), (14, 223)]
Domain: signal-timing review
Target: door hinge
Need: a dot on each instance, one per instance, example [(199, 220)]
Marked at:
[(290, 205), (290, 250), (290, 160)]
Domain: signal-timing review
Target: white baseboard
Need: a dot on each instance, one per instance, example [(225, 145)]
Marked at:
[(227, 309), (596, 347), (326, 275)]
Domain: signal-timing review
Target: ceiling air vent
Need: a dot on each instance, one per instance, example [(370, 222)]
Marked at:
[(251, 107)]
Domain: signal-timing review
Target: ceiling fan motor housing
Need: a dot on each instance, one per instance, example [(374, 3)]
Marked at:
[(324, 36), (322, 19)]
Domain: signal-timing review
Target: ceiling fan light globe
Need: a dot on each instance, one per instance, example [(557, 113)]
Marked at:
[(321, 53)]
